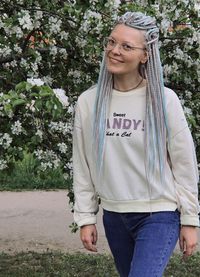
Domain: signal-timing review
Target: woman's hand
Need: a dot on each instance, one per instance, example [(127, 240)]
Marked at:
[(188, 240), (88, 235)]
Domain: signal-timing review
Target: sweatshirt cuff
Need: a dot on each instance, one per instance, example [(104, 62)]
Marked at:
[(87, 221), (191, 220)]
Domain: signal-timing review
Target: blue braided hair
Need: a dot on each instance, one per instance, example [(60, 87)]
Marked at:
[(156, 128)]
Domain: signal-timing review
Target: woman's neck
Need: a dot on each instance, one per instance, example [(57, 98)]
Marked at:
[(127, 83)]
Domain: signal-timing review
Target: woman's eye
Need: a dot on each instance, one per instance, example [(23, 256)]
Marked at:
[(111, 42), (126, 47)]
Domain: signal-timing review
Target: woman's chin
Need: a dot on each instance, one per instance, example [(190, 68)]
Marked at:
[(114, 70)]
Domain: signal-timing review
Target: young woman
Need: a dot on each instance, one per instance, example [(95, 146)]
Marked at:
[(133, 152)]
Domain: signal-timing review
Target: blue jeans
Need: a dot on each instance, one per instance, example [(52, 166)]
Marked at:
[(141, 243)]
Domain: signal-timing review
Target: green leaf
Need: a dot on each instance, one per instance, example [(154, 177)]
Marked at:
[(21, 86), (7, 108), (28, 86), (18, 102), (45, 93)]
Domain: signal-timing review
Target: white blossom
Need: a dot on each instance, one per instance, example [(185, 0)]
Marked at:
[(48, 159), (30, 106), (5, 51), (6, 65), (60, 127), (39, 133), (34, 68), (3, 164), (90, 13), (179, 54), (81, 42), (17, 49), (165, 25), (188, 94), (70, 109), (62, 147), (55, 25), (195, 38), (185, 2), (38, 57), (64, 35), (66, 176), (46, 165), (48, 80), (69, 165), (5, 140), (24, 63), (53, 51), (35, 81), (13, 63), (25, 21), (16, 128), (167, 71), (38, 14), (60, 94), (56, 163), (63, 53), (187, 111), (17, 31), (22, 95)]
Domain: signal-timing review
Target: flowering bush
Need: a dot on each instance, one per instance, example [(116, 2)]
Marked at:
[(34, 120), (60, 43)]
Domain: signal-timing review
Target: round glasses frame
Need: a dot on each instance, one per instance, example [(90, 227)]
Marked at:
[(110, 43)]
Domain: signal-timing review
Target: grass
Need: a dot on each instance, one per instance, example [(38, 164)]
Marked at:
[(24, 175), (16, 181), (52, 264), (56, 264)]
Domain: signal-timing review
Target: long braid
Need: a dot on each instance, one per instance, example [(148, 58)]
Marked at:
[(156, 127), (103, 97)]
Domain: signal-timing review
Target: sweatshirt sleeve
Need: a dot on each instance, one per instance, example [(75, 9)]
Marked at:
[(184, 164), (86, 201)]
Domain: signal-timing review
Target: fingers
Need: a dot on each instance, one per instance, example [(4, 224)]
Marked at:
[(181, 243), (89, 246), (189, 250), (89, 242), (94, 238), (88, 236), (188, 240)]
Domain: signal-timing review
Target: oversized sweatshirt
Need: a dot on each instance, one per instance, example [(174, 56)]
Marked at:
[(123, 186)]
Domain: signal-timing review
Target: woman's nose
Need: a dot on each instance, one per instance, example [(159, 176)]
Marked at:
[(116, 49)]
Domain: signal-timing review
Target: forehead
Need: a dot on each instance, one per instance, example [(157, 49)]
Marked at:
[(122, 32)]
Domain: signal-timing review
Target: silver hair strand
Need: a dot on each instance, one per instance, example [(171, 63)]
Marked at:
[(156, 128)]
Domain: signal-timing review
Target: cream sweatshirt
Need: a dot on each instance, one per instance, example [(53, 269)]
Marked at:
[(123, 186)]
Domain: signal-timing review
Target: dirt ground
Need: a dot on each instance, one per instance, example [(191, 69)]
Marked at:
[(39, 221)]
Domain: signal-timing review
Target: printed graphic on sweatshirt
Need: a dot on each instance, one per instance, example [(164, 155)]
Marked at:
[(120, 126)]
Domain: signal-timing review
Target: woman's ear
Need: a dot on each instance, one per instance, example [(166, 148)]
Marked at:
[(145, 57)]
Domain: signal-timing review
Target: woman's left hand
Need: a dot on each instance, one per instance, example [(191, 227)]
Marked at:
[(188, 240)]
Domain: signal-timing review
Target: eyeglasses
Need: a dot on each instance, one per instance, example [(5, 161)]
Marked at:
[(110, 43)]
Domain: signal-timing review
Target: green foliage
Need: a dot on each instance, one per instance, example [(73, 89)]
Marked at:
[(26, 174), (60, 42), (56, 264), (35, 138), (179, 267)]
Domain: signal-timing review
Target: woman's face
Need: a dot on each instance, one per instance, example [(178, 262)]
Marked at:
[(120, 62)]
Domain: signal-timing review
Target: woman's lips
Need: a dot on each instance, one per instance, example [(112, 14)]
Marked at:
[(113, 60)]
